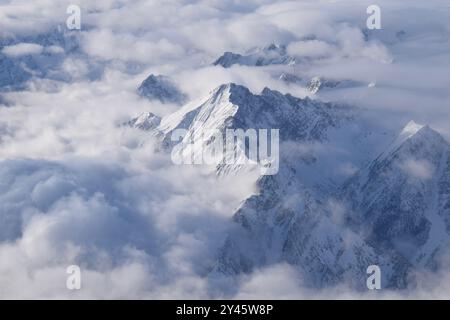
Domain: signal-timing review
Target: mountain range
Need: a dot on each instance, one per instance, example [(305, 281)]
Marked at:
[(271, 55), (347, 195)]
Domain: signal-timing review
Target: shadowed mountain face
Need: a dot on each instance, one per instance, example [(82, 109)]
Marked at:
[(162, 89)]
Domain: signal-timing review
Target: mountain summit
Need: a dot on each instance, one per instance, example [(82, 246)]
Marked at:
[(235, 107)]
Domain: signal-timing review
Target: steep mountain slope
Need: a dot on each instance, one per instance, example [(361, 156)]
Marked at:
[(280, 225), (401, 200)]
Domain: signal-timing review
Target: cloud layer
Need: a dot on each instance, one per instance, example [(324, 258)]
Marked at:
[(76, 187)]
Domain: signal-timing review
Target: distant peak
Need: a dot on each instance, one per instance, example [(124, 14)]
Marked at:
[(414, 129), (414, 132), (160, 87), (145, 121)]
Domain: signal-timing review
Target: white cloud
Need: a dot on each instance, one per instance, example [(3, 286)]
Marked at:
[(22, 49), (418, 169), (310, 49), (109, 45)]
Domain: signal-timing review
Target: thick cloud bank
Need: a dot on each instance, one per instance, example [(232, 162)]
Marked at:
[(79, 188)]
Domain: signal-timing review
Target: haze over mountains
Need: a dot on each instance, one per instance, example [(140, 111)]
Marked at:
[(87, 177)]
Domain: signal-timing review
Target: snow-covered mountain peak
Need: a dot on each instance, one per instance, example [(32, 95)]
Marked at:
[(426, 133), (416, 131), (273, 54), (411, 129), (416, 138), (233, 106), (145, 121)]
